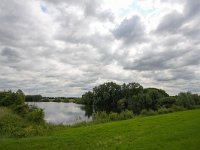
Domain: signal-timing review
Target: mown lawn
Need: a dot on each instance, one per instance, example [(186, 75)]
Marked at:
[(175, 131)]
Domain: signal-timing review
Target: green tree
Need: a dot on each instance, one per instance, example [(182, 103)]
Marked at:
[(122, 104), (21, 97), (107, 94), (11, 98), (33, 98), (167, 102), (131, 89), (185, 99), (88, 98)]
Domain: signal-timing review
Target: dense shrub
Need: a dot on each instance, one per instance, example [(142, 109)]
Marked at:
[(113, 116), (122, 104), (103, 116), (178, 108), (126, 115), (163, 110), (21, 109), (196, 99), (146, 112), (185, 100), (11, 124), (167, 102), (10, 98), (35, 115), (196, 107)]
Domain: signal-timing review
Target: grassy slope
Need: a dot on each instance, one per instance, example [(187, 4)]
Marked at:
[(176, 131)]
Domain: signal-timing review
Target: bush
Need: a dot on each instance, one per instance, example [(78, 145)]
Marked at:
[(10, 123), (122, 104), (196, 107), (103, 116), (11, 98), (13, 125), (178, 108), (126, 115), (170, 110), (167, 102), (163, 110), (35, 115), (21, 109), (145, 112), (113, 116), (185, 100), (174, 108), (9, 120)]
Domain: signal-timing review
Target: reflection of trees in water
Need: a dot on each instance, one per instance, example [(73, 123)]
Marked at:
[(89, 109), (107, 109)]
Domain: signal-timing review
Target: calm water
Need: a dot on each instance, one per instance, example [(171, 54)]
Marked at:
[(65, 113)]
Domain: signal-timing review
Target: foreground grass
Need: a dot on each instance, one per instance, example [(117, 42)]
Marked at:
[(175, 131), (14, 125)]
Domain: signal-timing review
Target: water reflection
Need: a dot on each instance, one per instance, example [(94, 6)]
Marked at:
[(69, 113), (65, 113)]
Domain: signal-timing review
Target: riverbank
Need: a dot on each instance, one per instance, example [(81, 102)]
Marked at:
[(180, 130), (14, 125)]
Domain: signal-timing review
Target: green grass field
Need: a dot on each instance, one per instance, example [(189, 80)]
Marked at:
[(175, 131)]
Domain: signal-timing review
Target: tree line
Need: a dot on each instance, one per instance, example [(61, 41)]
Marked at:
[(134, 97), (40, 98)]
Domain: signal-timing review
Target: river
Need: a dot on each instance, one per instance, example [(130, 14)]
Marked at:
[(64, 113)]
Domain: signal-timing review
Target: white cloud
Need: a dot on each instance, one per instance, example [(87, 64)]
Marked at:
[(64, 48)]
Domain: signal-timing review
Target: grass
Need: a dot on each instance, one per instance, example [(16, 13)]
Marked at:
[(174, 131), (13, 125), (10, 123)]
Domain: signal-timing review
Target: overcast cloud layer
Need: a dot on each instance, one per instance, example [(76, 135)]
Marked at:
[(66, 47)]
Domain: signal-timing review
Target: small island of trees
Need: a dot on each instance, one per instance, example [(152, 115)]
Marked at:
[(133, 96)]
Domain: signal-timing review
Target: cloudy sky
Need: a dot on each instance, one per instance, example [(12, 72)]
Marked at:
[(66, 47)]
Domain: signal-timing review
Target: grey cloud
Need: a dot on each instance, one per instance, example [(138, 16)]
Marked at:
[(192, 32), (171, 22), (11, 55), (192, 8), (158, 60), (176, 74), (91, 8), (174, 22), (166, 60), (130, 30), (20, 26)]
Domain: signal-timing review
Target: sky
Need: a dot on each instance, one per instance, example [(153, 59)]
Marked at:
[(66, 47)]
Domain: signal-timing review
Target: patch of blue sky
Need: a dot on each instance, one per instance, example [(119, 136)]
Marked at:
[(43, 7), (135, 7)]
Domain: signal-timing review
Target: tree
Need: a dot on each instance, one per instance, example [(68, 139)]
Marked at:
[(107, 94), (122, 104), (33, 98), (196, 99), (131, 89), (167, 102), (88, 98), (21, 97), (185, 99), (160, 91), (11, 98)]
